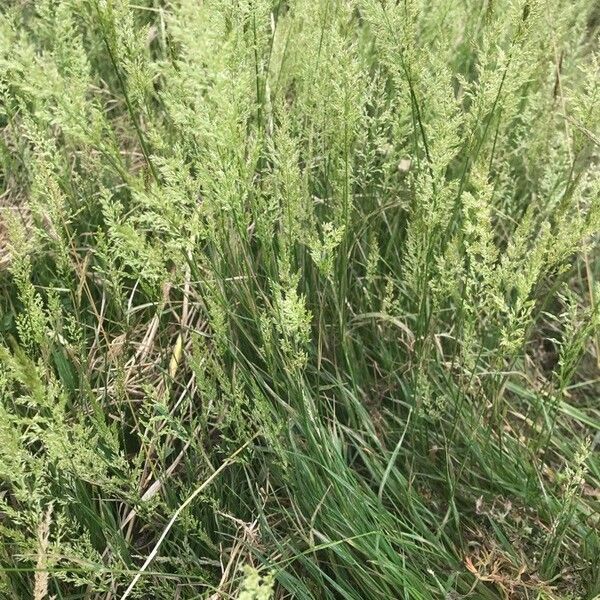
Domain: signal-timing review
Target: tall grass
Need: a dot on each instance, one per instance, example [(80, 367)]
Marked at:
[(299, 299)]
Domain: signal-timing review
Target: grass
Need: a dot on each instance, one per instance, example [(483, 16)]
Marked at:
[(299, 299)]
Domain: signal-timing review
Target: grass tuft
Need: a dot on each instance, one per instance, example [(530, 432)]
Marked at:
[(299, 299)]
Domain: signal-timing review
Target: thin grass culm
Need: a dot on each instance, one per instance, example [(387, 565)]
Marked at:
[(299, 299)]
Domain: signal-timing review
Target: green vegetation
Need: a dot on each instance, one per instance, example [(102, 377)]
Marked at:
[(299, 299)]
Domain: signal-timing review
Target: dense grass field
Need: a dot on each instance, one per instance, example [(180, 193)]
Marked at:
[(299, 299)]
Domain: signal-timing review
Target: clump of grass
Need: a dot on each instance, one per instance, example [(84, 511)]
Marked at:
[(299, 299)]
